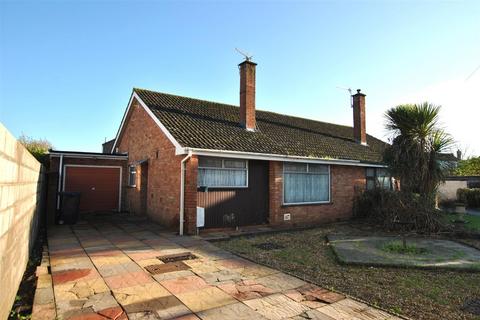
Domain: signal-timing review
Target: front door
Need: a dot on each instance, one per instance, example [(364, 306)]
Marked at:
[(231, 207)]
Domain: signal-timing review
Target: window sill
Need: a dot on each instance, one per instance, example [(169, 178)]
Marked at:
[(132, 187), (306, 204)]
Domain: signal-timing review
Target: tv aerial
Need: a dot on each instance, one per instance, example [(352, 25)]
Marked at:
[(248, 56), (350, 93)]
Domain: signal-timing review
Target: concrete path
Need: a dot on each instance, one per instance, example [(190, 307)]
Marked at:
[(99, 271)]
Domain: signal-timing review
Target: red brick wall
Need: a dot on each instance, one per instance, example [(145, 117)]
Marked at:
[(345, 181), (191, 172), (53, 173), (247, 94), (143, 140)]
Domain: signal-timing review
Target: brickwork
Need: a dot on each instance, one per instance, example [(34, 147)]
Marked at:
[(191, 169), (247, 94), (345, 182), (144, 140), (359, 125)]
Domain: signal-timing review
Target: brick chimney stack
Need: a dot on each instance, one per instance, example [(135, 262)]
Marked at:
[(359, 127), (247, 94)]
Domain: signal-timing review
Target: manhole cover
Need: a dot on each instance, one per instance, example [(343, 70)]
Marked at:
[(269, 246), (472, 306), (177, 257), (167, 267)]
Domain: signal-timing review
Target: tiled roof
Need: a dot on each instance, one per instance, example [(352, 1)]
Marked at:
[(447, 157), (209, 125)]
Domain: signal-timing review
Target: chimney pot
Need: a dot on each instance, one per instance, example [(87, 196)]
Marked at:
[(247, 94), (359, 126)]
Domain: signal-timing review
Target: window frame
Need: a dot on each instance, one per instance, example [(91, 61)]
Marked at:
[(246, 169), (309, 202), (130, 184), (374, 178)]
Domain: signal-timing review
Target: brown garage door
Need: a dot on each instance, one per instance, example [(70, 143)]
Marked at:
[(99, 186)]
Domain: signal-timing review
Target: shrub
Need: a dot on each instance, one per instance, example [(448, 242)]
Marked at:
[(398, 211), (470, 197)]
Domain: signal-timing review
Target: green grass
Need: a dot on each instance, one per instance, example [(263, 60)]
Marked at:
[(473, 222), (397, 247), (416, 293)]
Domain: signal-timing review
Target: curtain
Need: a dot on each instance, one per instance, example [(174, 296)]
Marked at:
[(306, 187), (222, 177)]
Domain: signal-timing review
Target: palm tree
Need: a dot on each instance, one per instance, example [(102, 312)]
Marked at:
[(417, 141)]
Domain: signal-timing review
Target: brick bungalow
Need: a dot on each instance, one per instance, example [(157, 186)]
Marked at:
[(237, 166)]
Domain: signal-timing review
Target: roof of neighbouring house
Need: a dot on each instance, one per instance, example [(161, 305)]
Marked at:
[(216, 126), (447, 157)]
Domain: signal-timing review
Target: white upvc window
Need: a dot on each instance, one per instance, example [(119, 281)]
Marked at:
[(378, 178), (305, 183), (222, 173), (132, 175)]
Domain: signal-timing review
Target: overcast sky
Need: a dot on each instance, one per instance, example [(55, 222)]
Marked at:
[(67, 68)]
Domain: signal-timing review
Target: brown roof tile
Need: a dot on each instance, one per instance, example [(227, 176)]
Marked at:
[(209, 125)]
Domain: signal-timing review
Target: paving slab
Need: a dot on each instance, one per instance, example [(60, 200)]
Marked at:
[(99, 271), (238, 311), (276, 307), (205, 299)]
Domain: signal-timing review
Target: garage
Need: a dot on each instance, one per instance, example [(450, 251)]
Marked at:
[(100, 178), (99, 186)]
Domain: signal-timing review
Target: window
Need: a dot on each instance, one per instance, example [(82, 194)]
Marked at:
[(222, 173), (306, 183), (132, 176), (378, 178)]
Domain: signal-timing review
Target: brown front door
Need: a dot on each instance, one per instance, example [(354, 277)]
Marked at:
[(249, 206), (99, 187)]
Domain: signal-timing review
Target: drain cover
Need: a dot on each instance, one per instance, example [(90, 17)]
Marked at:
[(166, 267), (177, 257), (268, 246), (472, 306)]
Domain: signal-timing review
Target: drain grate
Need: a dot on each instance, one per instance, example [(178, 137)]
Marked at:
[(167, 267), (177, 257), (472, 306), (267, 246)]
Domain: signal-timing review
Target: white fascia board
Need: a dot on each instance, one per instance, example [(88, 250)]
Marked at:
[(178, 147), (278, 157)]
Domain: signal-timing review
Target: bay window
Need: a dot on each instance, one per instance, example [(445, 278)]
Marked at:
[(222, 173), (306, 183)]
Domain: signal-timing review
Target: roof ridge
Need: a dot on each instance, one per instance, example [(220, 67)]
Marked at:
[(235, 106)]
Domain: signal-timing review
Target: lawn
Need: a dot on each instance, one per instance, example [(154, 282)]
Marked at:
[(419, 294), (472, 222)]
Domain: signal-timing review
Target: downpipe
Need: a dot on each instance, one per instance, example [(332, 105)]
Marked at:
[(182, 192)]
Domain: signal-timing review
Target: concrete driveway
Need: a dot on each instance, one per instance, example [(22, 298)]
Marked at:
[(107, 267)]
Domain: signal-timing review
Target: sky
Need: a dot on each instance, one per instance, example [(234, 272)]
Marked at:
[(67, 68)]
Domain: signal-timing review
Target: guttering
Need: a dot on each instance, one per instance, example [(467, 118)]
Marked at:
[(277, 157), (182, 192)]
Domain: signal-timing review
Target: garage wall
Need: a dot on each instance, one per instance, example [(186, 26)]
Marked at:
[(21, 202), (53, 179)]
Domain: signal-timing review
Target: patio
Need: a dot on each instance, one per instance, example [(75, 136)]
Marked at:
[(98, 272)]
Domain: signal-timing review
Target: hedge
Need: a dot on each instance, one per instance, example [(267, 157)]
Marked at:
[(471, 197)]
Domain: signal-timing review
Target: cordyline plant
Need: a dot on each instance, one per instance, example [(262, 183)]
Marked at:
[(417, 141)]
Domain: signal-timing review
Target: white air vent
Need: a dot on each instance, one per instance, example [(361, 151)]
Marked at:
[(286, 217)]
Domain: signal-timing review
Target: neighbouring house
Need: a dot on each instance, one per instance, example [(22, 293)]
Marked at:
[(198, 163)]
